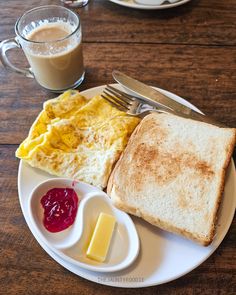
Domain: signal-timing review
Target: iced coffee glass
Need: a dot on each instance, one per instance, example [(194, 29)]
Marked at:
[(51, 39)]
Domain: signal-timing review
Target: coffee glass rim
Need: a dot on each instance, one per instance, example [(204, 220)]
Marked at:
[(43, 7)]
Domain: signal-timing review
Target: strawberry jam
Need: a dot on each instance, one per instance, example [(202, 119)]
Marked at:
[(60, 208)]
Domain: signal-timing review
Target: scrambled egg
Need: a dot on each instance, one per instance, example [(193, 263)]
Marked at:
[(77, 138)]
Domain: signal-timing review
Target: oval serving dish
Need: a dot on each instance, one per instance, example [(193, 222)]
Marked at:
[(71, 244)]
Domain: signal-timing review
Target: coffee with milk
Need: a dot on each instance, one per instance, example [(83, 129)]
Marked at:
[(56, 61), (51, 38)]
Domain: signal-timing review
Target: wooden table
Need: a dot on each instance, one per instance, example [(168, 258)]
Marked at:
[(189, 50)]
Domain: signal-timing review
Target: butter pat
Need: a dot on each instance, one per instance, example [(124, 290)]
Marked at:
[(101, 238)]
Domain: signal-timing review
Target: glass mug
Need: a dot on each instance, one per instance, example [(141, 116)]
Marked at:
[(51, 39)]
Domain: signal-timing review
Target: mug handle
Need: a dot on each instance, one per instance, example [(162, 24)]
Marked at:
[(4, 47)]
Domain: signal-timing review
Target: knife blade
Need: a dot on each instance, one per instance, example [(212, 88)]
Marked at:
[(157, 99)]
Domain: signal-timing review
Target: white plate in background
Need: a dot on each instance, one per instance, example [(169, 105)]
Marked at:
[(133, 4)]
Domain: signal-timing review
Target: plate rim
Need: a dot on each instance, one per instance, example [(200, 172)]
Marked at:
[(115, 284)]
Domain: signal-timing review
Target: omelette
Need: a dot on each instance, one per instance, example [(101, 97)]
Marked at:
[(78, 138)]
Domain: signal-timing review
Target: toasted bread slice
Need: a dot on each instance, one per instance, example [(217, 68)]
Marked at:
[(172, 174)]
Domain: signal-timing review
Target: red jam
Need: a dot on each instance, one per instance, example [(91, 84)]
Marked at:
[(60, 208)]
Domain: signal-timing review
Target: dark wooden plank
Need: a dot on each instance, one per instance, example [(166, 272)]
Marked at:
[(26, 269), (198, 22), (189, 50), (203, 75)]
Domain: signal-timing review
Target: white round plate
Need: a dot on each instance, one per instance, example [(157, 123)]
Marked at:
[(133, 4), (163, 256)]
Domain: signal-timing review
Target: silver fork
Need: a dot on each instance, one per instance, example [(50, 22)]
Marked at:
[(133, 106), (127, 103)]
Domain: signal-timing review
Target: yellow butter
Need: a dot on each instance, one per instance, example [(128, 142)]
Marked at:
[(101, 238)]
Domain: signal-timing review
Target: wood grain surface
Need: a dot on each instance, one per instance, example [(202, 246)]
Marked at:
[(189, 50)]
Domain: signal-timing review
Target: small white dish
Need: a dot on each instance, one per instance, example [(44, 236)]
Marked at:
[(71, 244)]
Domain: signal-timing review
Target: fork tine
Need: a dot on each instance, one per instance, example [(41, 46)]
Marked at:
[(117, 100), (116, 105), (124, 96), (118, 96)]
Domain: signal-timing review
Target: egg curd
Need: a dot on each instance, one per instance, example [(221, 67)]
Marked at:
[(77, 138)]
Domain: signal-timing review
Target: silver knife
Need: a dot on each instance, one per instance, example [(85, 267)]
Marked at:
[(157, 99)]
